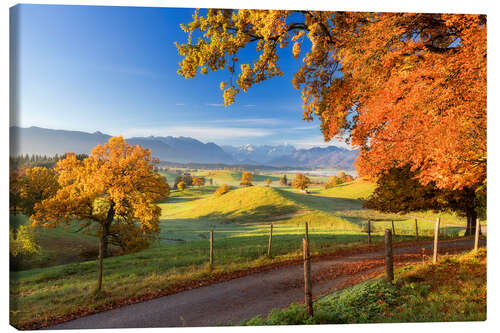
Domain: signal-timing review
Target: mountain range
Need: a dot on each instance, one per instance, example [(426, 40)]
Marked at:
[(43, 141)]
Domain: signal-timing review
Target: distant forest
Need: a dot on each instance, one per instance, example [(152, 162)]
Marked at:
[(35, 160)]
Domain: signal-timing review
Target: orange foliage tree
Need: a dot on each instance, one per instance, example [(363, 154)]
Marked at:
[(403, 88), (112, 194), (246, 179), (198, 181), (301, 182)]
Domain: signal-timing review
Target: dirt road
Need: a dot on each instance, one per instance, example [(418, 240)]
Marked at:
[(246, 297)]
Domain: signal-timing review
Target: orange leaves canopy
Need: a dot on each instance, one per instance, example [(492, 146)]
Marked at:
[(403, 88)]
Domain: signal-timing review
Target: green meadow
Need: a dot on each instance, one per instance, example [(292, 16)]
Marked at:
[(59, 280)]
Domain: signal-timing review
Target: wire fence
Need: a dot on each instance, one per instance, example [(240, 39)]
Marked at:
[(251, 242)]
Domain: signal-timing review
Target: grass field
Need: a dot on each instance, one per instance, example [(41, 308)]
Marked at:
[(240, 219), (452, 290), (60, 245)]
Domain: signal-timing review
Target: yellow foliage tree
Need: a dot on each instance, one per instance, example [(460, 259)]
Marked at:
[(181, 186), (301, 182), (22, 241), (246, 179), (111, 193), (341, 175), (36, 185)]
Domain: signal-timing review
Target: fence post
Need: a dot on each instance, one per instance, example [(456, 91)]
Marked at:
[(211, 248), (436, 239), (476, 239), (389, 261), (270, 241), (307, 233), (416, 228), (393, 229), (307, 277), (369, 232)]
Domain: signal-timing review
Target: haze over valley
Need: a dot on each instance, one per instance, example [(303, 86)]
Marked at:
[(43, 141)]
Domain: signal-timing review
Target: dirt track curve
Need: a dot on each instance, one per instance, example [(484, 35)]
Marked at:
[(243, 298)]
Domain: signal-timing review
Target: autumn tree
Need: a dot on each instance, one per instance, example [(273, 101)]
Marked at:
[(283, 181), (22, 244), (341, 175), (181, 186), (268, 181), (399, 191), (404, 88), (198, 181), (15, 177), (332, 181), (301, 181), (223, 189), (348, 178), (36, 185), (112, 194), (246, 179), (187, 179)]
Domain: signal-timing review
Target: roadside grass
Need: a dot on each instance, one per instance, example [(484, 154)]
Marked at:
[(452, 290), (41, 295)]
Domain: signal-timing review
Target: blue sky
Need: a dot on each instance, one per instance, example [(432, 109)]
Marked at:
[(113, 69)]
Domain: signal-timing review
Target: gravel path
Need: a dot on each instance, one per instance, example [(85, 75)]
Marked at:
[(246, 297)]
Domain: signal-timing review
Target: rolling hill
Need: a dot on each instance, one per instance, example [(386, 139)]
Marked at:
[(244, 204)]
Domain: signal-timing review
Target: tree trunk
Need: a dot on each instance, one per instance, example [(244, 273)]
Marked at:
[(99, 273), (105, 228), (105, 245), (471, 222)]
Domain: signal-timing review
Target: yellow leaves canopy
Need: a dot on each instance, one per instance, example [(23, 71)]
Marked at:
[(116, 187)]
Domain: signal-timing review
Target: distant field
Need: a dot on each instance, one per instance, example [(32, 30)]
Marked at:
[(241, 221)]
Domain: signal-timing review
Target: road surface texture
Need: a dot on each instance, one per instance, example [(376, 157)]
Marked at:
[(243, 298)]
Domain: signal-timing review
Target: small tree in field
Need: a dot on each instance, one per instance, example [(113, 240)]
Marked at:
[(341, 176), (332, 181), (223, 189), (181, 186), (283, 181), (301, 182), (198, 181), (268, 181), (246, 179), (22, 241), (112, 193)]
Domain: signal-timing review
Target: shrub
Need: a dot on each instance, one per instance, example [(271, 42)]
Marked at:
[(222, 190)]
